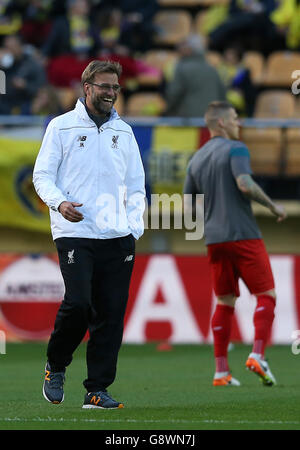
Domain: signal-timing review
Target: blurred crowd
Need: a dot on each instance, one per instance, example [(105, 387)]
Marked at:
[(45, 45)]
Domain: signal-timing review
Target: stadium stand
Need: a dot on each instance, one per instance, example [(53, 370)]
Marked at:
[(145, 104), (67, 97), (265, 149), (120, 104), (292, 163), (275, 104), (173, 21), (214, 58), (255, 62), (146, 73), (173, 26), (162, 59), (279, 68)]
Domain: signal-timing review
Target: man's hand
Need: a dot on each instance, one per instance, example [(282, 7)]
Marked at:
[(68, 211), (279, 211)]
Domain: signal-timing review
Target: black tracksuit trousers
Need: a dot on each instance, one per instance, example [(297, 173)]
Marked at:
[(96, 274)]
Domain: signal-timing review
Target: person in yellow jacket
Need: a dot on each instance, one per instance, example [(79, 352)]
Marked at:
[(244, 21), (286, 17)]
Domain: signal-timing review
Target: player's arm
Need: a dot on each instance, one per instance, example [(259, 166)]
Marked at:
[(241, 170), (253, 191)]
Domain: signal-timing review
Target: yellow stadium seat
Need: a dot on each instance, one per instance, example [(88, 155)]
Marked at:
[(164, 60), (275, 104), (255, 62), (265, 149), (199, 22), (67, 98), (292, 164), (120, 104), (149, 79), (173, 25), (145, 104), (297, 108), (279, 67)]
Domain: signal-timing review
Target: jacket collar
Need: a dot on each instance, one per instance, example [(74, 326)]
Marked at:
[(82, 113)]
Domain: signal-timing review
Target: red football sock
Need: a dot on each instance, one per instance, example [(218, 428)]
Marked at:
[(221, 327), (263, 320)]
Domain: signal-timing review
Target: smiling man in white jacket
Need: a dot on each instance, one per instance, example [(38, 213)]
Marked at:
[(90, 174)]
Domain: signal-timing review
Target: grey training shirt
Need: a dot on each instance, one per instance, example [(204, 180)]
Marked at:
[(212, 171)]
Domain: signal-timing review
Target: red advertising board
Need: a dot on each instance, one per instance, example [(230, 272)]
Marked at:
[(171, 298)]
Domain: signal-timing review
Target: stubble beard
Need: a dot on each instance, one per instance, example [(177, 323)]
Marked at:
[(100, 106)]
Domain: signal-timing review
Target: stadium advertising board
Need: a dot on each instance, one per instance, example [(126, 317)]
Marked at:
[(171, 299)]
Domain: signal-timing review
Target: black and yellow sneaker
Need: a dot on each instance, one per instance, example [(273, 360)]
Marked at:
[(53, 385), (100, 400)]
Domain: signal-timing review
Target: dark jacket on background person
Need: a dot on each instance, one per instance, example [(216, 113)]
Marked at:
[(194, 86), (59, 39), (17, 100)]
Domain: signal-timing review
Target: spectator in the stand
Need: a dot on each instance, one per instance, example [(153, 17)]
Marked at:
[(10, 21), (211, 18), (195, 84), (109, 22), (111, 25), (73, 32), (47, 102), (240, 90), (249, 22), (66, 70), (137, 27), (132, 66), (24, 76), (286, 18), (36, 19)]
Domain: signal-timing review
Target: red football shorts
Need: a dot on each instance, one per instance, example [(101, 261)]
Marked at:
[(246, 259)]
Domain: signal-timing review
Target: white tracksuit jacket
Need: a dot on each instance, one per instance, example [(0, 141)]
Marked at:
[(100, 168)]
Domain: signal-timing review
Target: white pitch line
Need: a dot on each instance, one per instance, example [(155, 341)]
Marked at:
[(207, 421)]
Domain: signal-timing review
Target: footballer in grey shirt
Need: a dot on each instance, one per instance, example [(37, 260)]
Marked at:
[(213, 171), (221, 171)]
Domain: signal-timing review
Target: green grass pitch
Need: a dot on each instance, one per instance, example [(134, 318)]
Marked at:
[(166, 390)]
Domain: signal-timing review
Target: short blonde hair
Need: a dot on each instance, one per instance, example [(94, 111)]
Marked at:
[(216, 110), (97, 66)]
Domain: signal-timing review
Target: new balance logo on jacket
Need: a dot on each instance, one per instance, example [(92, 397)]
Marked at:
[(128, 258)]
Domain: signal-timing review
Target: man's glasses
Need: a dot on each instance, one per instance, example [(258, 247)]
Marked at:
[(107, 87)]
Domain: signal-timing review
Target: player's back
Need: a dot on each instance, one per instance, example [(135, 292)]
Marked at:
[(212, 170)]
